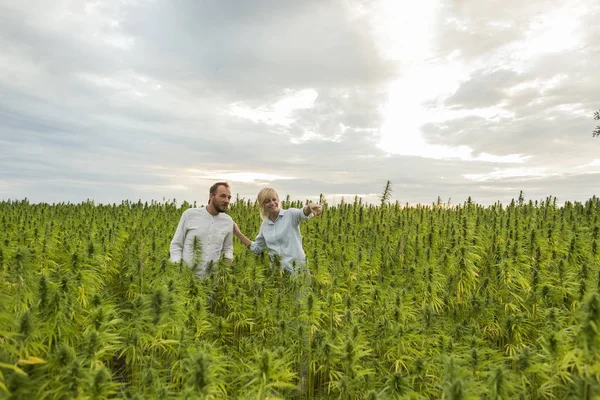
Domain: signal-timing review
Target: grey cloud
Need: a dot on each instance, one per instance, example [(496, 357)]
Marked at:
[(251, 51), (541, 124), (355, 109), (564, 139), (33, 31), (63, 137), (181, 43), (483, 89)]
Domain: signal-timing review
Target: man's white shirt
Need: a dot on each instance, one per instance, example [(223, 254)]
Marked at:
[(214, 233)]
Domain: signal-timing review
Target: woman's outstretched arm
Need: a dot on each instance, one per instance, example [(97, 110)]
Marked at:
[(314, 208)]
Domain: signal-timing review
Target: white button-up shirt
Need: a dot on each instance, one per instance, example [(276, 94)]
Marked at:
[(215, 237), (283, 237)]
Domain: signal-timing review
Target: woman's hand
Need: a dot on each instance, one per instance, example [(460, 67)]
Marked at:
[(315, 208)]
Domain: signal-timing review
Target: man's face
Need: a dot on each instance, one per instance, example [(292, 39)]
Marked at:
[(221, 198)]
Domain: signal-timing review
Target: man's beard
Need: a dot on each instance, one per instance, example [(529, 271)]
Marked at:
[(220, 209)]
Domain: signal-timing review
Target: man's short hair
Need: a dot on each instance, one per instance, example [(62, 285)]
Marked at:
[(213, 188)]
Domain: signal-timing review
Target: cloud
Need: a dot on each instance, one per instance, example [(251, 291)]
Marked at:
[(281, 112), (510, 173), (154, 99), (244, 177), (483, 89), (256, 48)]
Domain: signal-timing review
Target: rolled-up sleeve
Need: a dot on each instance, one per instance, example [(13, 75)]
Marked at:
[(228, 244), (259, 244), (298, 214), (176, 249)]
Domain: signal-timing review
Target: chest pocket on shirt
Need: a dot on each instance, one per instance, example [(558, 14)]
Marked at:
[(221, 237)]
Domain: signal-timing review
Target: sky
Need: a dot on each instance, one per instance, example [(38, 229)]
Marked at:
[(158, 99)]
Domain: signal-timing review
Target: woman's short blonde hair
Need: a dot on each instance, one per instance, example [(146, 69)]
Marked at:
[(264, 195)]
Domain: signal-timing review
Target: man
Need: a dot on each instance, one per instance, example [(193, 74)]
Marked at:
[(203, 234)]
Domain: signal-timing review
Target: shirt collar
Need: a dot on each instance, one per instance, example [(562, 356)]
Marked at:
[(281, 214)]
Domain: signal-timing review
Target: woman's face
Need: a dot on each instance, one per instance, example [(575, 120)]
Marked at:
[(271, 205)]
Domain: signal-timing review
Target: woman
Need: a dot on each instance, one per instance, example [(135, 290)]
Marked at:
[(280, 230)]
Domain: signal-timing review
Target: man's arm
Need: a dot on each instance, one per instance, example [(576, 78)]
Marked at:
[(240, 235), (176, 249), (228, 246), (257, 246)]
